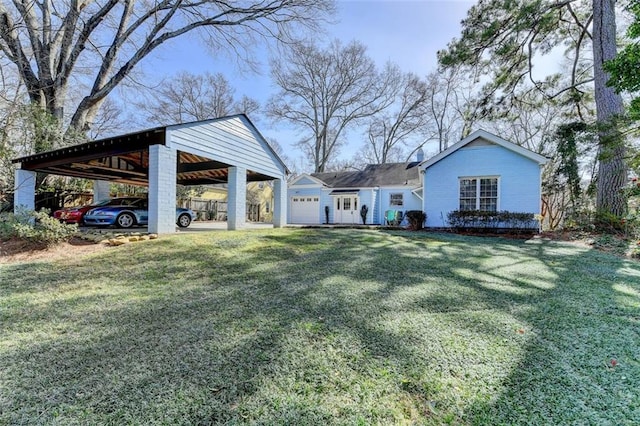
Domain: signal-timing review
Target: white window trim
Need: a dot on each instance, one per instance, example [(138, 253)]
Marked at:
[(418, 193), (396, 193), (460, 178), (354, 199)]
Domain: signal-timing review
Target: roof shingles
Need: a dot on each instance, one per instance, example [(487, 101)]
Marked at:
[(389, 174)]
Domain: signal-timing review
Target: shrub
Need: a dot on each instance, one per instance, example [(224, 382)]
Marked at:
[(612, 244), (631, 224), (465, 219), (416, 219), (6, 226), (608, 222), (35, 227)]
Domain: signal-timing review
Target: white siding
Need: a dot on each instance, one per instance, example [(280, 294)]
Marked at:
[(519, 181), (231, 140)]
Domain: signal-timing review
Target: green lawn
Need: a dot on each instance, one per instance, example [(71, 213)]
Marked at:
[(322, 327)]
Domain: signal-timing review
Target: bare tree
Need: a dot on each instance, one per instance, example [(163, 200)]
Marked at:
[(25, 129), (531, 122), (441, 105), (389, 129), (110, 120), (51, 44), (324, 92), (246, 105), (190, 97), (452, 106), (12, 101)]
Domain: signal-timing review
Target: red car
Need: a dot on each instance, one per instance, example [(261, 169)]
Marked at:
[(76, 214)]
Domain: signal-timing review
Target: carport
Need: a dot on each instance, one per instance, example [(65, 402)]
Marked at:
[(223, 150)]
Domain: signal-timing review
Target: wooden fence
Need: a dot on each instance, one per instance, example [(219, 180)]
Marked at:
[(217, 210)]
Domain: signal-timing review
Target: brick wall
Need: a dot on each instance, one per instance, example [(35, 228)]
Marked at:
[(25, 190), (162, 189), (237, 207)]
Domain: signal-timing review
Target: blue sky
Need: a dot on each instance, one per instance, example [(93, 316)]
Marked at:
[(408, 33)]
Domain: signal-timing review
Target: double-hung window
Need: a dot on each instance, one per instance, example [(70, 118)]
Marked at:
[(479, 193), (396, 199)]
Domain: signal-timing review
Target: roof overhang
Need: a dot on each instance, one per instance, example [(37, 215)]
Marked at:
[(540, 159), (307, 176), (337, 192), (417, 192), (125, 159), (121, 159)]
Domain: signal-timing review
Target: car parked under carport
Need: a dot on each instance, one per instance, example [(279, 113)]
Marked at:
[(131, 212), (221, 150)]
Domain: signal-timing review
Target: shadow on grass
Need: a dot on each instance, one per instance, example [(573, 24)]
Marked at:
[(310, 326), (581, 361)]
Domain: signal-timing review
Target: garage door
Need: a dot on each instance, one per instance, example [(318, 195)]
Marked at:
[(305, 210)]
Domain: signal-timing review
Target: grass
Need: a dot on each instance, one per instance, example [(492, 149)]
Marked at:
[(322, 327)]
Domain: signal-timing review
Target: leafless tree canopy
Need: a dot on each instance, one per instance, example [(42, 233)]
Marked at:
[(324, 92), (52, 43), (189, 97), (404, 119)]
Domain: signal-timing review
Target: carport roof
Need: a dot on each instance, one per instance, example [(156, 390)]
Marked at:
[(125, 159)]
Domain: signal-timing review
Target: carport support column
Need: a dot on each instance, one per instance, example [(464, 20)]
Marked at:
[(279, 203), (237, 200), (101, 190), (162, 189), (24, 196)]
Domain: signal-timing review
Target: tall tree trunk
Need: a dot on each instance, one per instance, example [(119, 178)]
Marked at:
[(612, 170)]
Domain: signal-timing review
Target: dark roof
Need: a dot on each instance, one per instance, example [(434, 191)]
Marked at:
[(389, 174)]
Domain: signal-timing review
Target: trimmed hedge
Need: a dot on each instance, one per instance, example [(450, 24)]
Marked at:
[(467, 219)]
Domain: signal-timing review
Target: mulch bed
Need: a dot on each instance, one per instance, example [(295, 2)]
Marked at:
[(15, 250)]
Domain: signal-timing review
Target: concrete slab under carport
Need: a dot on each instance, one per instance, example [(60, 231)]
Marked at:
[(196, 226), (224, 150)]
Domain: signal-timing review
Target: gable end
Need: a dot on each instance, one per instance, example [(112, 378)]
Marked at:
[(484, 138), (480, 142)]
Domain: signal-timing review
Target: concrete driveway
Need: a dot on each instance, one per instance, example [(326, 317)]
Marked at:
[(200, 226)]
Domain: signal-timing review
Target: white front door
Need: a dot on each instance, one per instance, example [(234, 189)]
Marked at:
[(346, 209)]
